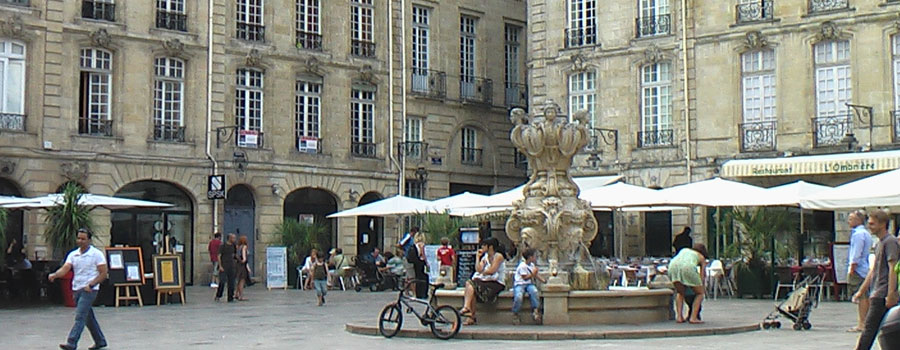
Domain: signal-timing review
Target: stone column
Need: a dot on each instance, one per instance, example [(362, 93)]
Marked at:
[(556, 303)]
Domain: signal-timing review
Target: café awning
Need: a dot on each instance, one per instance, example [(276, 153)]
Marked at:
[(813, 165)]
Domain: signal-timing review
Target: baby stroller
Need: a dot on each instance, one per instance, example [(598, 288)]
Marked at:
[(797, 307), (369, 276)]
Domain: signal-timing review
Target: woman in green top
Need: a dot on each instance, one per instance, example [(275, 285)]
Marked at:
[(684, 273)]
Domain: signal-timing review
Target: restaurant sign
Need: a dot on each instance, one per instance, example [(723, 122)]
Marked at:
[(808, 165)]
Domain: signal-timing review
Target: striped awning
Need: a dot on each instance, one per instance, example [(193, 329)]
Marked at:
[(808, 165)]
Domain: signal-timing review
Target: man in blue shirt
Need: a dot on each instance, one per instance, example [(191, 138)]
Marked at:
[(860, 244)]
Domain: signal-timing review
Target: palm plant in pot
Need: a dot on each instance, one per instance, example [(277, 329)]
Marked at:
[(63, 222), (299, 238), (756, 230)]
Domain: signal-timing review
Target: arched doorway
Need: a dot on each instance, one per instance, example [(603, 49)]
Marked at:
[(146, 227), (313, 205), (369, 229), (240, 217), (15, 220)]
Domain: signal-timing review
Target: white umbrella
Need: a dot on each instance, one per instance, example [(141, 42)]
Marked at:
[(86, 199), (4, 200), (396, 205), (874, 191), (715, 192), (458, 200), (794, 192), (503, 200), (620, 195)]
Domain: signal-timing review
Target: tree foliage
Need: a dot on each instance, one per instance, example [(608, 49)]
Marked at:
[(64, 220), (436, 226), (300, 237)]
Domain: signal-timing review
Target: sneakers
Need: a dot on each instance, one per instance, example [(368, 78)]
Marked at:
[(214, 285), (537, 317)]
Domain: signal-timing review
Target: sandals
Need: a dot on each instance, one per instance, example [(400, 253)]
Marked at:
[(469, 321), (465, 312)]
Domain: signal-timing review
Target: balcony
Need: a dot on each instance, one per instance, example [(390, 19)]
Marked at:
[(309, 41), (362, 149), (95, 127), (521, 160), (470, 156), (251, 32), (758, 136), (171, 20), (576, 37), (820, 6), (412, 150), (15, 2), (895, 123), (170, 133), (653, 25), (656, 138), (12, 121), (474, 89), (516, 95), (830, 130), (756, 11), (362, 48), (428, 83), (98, 10)]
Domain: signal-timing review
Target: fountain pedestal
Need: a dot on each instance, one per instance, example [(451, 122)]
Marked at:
[(556, 300)]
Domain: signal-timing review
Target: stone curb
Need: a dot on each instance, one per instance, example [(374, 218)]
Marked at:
[(532, 334)]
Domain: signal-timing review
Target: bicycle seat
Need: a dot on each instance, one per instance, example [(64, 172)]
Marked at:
[(437, 285)]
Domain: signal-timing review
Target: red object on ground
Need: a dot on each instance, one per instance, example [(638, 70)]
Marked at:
[(65, 282)]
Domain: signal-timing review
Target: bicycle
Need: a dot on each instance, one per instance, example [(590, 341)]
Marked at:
[(443, 320)]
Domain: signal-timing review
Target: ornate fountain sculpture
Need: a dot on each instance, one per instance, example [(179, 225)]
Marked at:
[(551, 218)]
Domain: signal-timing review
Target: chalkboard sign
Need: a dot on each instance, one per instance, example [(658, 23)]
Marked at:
[(125, 265), (465, 266), (276, 267)]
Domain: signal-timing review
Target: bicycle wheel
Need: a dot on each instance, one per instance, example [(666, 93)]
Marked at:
[(446, 322), (390, 320)]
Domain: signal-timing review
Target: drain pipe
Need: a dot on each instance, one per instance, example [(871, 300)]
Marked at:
[(403, 76), (687, 99), (390, 148), (209, 78)]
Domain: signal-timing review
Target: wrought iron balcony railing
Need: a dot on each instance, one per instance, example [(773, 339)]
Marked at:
[(656, 138), (362, 48), (521, 160), (309, 41), (830, 130), (516, 95), (895, 122), (427, 82), (95, 127), (470, 156), (576, 37), (15, 2), (412, 150), (653, 25), (817, 6), (104, 11), (12, 121), (758, 136), (250, 139), (362, 149), (475, 89), (755, 11), (251, 32), (171, 133), (171, 20)]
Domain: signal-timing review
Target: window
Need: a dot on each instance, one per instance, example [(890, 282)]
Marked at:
[(420, 42), (104, 10), (748, 11), (896, 49), (248, 107), (170, 15), (467, 56), (656, 105), (415, 189), (516, 96), (582, 23), (309, 35), (306, 115), (833, 92), (414, 148), (471, 154), (168, 100), (96, 93), (654, 18), (15, 2), (758, 94), (816, 6), (362, 43), (583, 94), (362, 118), (12, 85), (250, 20)]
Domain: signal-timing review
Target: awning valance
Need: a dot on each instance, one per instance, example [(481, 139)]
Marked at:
[(808, 165)]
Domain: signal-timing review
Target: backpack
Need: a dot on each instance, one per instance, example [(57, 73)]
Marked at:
[(412, 255)]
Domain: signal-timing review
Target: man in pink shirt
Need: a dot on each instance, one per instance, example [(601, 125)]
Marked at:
[(214, 258)]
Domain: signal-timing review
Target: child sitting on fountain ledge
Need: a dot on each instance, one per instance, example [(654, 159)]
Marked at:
[(524, 283)]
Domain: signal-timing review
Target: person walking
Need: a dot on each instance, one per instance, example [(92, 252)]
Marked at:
[(320, 277), (883, 294), (89, 264), (241, 270), (226, 268), (860, 244), (213, 248)]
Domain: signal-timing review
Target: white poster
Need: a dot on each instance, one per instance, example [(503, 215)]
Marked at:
[(434, 265), (841, 261), (115, 260), (276, 267)]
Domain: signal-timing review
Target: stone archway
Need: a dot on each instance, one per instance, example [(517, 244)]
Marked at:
[(313, 205), (369, 229)]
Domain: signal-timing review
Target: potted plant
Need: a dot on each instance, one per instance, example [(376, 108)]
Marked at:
[(436, 226), (299, 238), (755, 233), (63, 222)]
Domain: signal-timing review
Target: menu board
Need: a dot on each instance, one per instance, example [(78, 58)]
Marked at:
[(125, 265), (465, 266), (840, 260), (276, 267)]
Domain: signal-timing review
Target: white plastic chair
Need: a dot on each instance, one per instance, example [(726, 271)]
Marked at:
[(715, 278), (301, 278)]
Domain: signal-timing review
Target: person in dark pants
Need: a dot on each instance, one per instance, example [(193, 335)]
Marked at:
[(89, 265), (683, 240), (419, 267), (880, 279), (226, 268)]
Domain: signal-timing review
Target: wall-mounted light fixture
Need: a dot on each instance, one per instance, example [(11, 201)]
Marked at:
[(353, 194)]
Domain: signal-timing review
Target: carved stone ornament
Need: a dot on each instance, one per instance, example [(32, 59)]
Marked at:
[(312, 65), (755, 40), (653, 54), (828, 31), (100, 37), (254, 58), (7, 167), (367, 74), (12, 26), (551, 218), (74, 171), (578, 63), (173, 47)]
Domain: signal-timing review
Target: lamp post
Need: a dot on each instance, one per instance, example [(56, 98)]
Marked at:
[(864, 115)]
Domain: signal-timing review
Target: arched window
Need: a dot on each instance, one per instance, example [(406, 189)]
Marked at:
[(168, 100), (656, 105), (12, 85)]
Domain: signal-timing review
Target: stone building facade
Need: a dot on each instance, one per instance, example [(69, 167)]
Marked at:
[(754, 90), (301, 104)]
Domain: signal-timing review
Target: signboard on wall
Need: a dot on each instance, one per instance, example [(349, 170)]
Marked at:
[(276, 267), (215, 185)]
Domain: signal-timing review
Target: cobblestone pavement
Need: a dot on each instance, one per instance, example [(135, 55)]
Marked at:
[(281, 319)]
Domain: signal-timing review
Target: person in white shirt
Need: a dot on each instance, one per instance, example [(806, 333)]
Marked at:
[(89, 264), (526, 273)]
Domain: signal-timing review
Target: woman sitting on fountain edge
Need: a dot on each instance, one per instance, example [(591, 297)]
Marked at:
[(487, 281), (683, 273)]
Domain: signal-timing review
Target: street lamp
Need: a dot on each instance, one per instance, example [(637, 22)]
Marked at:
[(864, 115)]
